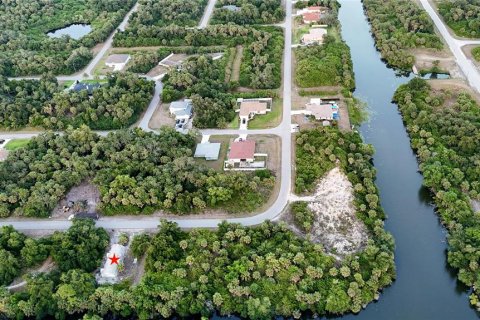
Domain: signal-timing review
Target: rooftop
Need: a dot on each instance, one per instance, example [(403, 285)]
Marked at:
[(322, 110), (118, 58), (311, 16), (80, 86), (207, 150), (247, 107), (315, 34), (242, 150)]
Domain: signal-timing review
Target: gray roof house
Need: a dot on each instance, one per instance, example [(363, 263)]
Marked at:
[(181, 109), (207, 150)]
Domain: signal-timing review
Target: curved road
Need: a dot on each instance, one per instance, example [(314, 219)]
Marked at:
[(135, 222), (465, 64)]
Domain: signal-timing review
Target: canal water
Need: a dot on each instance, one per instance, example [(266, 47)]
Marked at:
[(425, 287)]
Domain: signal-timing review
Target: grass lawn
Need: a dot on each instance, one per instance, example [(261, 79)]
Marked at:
[(476, 53), (299, 31), (235, 123), (16, 144), (269, 120), (66, 84), (95, 81)]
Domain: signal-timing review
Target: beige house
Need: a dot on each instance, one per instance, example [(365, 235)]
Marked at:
[(315, 36), (251, 107), (322, 110)]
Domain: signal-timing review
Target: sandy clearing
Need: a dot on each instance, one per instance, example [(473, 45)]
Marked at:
[(336, 225)]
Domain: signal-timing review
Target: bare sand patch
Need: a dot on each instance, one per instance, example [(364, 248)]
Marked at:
[(84, 192), (336, 225)]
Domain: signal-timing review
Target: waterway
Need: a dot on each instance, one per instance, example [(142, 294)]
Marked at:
[(75, 31), (425, 287)]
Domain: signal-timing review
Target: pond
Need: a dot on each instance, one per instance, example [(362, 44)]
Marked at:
[(435, 76), (74, 31)]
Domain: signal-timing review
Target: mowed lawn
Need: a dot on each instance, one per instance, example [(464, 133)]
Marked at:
[(16, 144), (269, 120)]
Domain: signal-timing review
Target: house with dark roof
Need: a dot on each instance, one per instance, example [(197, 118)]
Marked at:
[(89, 87)]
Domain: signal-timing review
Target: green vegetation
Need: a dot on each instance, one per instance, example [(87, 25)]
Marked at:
[(400, 25), (356, 111), (463, 16), (446, 138), (166, 12), (307, 93), (136, 172), (144, 61), (476, 53), (249, 12), (302, 216), (25, 48), (43, 103), (269, 120), (16, 144), (329, 64)]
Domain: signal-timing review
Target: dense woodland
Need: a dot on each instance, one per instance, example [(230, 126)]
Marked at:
[(248, 12), (329, 64), (476, 53), (166, 12), (43, 103), (444, 129), (400, 25), (25, 49), (255, 272), (463, 16), (136, 172)]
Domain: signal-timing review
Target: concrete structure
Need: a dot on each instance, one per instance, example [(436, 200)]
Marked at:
[(207, 150), (109, 272), (81, 86), (241, 156), (315, 36), (117, 61), (181, 109), (322, 110)]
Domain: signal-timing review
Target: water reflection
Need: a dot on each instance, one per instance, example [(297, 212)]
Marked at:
[(74, 31)]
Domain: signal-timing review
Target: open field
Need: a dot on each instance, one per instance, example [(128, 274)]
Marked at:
[(16, 144)]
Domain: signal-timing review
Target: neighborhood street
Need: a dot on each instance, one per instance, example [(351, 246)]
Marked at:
[(283, 131), (207, 14), (465, 64)]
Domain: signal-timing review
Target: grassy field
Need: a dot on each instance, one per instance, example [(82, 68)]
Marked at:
[(16, 144), (269, 120)]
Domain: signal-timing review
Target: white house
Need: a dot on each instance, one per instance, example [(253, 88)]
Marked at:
[(322, 110), (251, 107), (182, 110), (315, 36), (207, 150), (109, 272), (117, 61)]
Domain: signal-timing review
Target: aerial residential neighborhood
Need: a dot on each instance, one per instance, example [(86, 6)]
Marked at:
[(218, 159)]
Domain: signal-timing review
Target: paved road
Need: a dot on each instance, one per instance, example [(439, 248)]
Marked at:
[(466, 65), (207, 14), (283, 130)]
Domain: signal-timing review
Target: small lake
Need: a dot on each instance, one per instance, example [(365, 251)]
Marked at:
[(74, 31), (436, 76)]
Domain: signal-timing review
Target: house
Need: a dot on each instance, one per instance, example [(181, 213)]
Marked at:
[(241, 156), (231, 8), (311, 17), (81, 86), (207, 150), (109, 272), (182, 110), (315, 36), (251, 107), (313, 9), (241, 151), (117, 61), (322, 110)]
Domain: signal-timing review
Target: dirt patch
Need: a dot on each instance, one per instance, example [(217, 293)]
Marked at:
[(156, 71), (336, 225), (475, 205), (18, 284), (237, 63), (161, 117), (3, 154), (426, 59), (455, 86), (85, 192)]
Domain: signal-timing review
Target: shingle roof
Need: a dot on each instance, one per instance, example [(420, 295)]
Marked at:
[(311, 16), (246, 107), (242, 149)]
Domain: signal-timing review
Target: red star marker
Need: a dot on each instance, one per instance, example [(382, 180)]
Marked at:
[(114, 259)]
